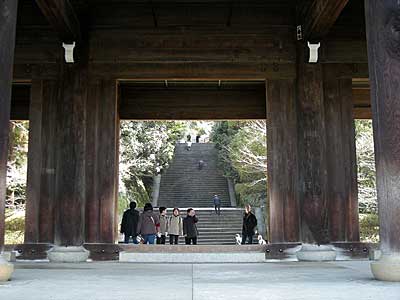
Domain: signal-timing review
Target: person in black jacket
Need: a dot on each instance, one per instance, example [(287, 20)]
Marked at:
[(129, 223), (249, 225), (190, 228)]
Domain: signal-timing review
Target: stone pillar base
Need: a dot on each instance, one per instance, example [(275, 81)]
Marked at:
[(6, 269), (387, 268), (71, 254), (316, 253)]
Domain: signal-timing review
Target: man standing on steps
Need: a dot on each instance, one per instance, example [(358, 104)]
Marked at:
[(249, 225), (217, 204), (190, 228), (129, 223)]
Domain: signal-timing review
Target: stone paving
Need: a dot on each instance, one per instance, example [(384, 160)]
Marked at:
[(269, 281)]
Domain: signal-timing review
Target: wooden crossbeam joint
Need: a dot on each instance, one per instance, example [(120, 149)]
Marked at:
[(318, 17)]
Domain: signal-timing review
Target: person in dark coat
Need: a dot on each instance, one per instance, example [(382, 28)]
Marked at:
[(217, 205), (129, 223), (249, 225), (190, 228)]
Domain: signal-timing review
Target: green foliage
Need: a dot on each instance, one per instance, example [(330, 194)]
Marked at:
[(366, 166), (15, 226), (16, 182), (222, 135), (17, 164), (146, 148), (242, 152), (369, 228)]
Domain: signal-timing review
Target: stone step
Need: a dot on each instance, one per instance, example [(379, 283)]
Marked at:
[(192, 258), (192, 254)]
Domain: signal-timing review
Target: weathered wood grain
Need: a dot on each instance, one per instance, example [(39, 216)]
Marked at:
[(312, 152), (192, 70), (342, 189), (70, 158), (102, 136), (48, 161), (282, 162), (192, 103), (8, 19), (34, 163), (383, 27), (62, 18), (319, 17)]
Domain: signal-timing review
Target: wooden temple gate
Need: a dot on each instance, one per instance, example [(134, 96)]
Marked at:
[(74, 108)]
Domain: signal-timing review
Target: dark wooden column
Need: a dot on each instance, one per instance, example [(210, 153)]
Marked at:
[(383, 36), (101, 161), (49, 151), (312, 152), (282, 161), (342, 190), (34, 164), (8, 19), (39, 220), (70, 157)]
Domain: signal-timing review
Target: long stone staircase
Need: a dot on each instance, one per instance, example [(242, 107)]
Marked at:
[(183, 185)]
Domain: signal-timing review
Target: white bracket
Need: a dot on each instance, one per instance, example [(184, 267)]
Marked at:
[(69, 52), (313, 57)]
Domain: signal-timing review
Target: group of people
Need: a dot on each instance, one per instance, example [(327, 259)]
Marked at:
[(150, 227), (189, 141)]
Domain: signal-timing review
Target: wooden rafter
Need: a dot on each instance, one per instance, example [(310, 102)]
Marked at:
[(318, 17), (62, 18)]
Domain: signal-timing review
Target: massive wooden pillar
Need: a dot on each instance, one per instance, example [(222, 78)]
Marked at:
[(101, 161), (282, 161), (312, 152), (8, 19), (341, 158), (34, 164), (70, 157), (383, 36), (74, 132), (39, 220), (72, 160)]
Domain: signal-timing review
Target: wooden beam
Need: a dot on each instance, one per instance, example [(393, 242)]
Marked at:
[(8, 19), (192, 104), (318, 17), (62, 18)]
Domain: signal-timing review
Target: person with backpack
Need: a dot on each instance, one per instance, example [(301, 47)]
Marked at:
[(148, 225), (175, 227), (129, 223), (163, 225), (190, 228), (249, 225)]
